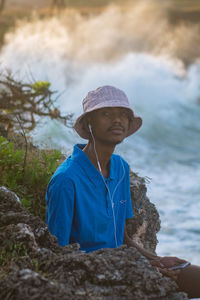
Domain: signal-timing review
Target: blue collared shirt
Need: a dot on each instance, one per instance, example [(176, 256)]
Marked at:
[(79, 207)]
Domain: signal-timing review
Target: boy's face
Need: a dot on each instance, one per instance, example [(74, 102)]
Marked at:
[(110, 125)]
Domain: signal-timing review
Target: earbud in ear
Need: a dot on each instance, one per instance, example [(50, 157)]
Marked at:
[(90, 127)]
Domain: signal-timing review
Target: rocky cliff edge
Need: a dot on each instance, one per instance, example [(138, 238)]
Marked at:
[(34, 267)]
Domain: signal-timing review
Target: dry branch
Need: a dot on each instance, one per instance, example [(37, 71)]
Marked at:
[(27, 103)]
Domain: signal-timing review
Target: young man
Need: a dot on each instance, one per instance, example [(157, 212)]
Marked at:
[(88, 198)]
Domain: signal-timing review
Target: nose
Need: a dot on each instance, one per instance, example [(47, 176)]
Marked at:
[(116, 117)]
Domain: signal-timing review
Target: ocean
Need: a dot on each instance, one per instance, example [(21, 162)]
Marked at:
[(157, 65)]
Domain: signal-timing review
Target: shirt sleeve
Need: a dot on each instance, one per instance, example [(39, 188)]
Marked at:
[(129, 208), (60, 208)]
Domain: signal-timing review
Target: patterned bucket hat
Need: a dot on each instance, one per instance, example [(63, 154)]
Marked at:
[(105, 96)]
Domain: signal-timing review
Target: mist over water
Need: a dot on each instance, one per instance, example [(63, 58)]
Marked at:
[(158, 66)]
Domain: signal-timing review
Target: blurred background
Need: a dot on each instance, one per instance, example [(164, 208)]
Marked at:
[(148, 48)]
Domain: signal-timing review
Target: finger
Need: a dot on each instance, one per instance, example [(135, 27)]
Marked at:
[(155, 263), (179, 260)]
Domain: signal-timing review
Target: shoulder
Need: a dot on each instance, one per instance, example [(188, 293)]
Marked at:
[(65, 173), (120, 161)]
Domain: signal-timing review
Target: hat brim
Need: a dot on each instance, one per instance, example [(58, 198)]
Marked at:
[(79, 126)]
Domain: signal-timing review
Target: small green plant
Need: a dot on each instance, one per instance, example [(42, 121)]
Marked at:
[(41, 86), (35, 264), (29, 181), (11, 251)]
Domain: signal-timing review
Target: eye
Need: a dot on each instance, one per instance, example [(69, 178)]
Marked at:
[(124, 114), (105, 113)]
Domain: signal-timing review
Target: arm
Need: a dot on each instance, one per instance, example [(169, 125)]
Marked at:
[(165, 262), (60, 208), (162, 263), (131, 243)]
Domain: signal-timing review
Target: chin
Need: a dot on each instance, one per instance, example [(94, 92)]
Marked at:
[(117, 141)]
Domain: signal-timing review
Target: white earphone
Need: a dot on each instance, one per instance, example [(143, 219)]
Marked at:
[(98, 163), (90, 127)]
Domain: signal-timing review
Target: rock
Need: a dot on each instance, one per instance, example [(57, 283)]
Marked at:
[(146, 223), (34, 266)]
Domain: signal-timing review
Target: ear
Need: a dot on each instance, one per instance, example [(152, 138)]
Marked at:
[(88, 120), (90, 128)]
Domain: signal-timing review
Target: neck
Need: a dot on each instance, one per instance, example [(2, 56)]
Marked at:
[(104, 153)]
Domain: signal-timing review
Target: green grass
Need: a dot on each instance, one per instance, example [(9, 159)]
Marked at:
[(27, 174), (11, 251)]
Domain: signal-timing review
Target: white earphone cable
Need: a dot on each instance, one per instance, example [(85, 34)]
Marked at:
[(111, 197)]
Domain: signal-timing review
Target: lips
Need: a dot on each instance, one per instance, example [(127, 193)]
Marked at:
[(117, 129)]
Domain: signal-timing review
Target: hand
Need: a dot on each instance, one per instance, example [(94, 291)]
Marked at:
[(156, 263), (173, 274), (171, 261)]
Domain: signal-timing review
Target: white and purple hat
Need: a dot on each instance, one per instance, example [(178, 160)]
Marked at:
[(106, 96)]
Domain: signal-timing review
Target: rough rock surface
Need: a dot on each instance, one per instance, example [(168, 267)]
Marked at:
[(33, 266), (146, 223)]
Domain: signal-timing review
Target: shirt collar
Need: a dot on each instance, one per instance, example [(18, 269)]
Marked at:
[(83, 160)]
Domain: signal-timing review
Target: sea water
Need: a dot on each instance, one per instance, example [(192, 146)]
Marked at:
[(139, 52)]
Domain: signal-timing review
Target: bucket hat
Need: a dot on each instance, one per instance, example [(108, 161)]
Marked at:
[(105, 96)]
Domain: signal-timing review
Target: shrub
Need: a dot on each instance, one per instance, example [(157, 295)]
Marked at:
[(29, 177)]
